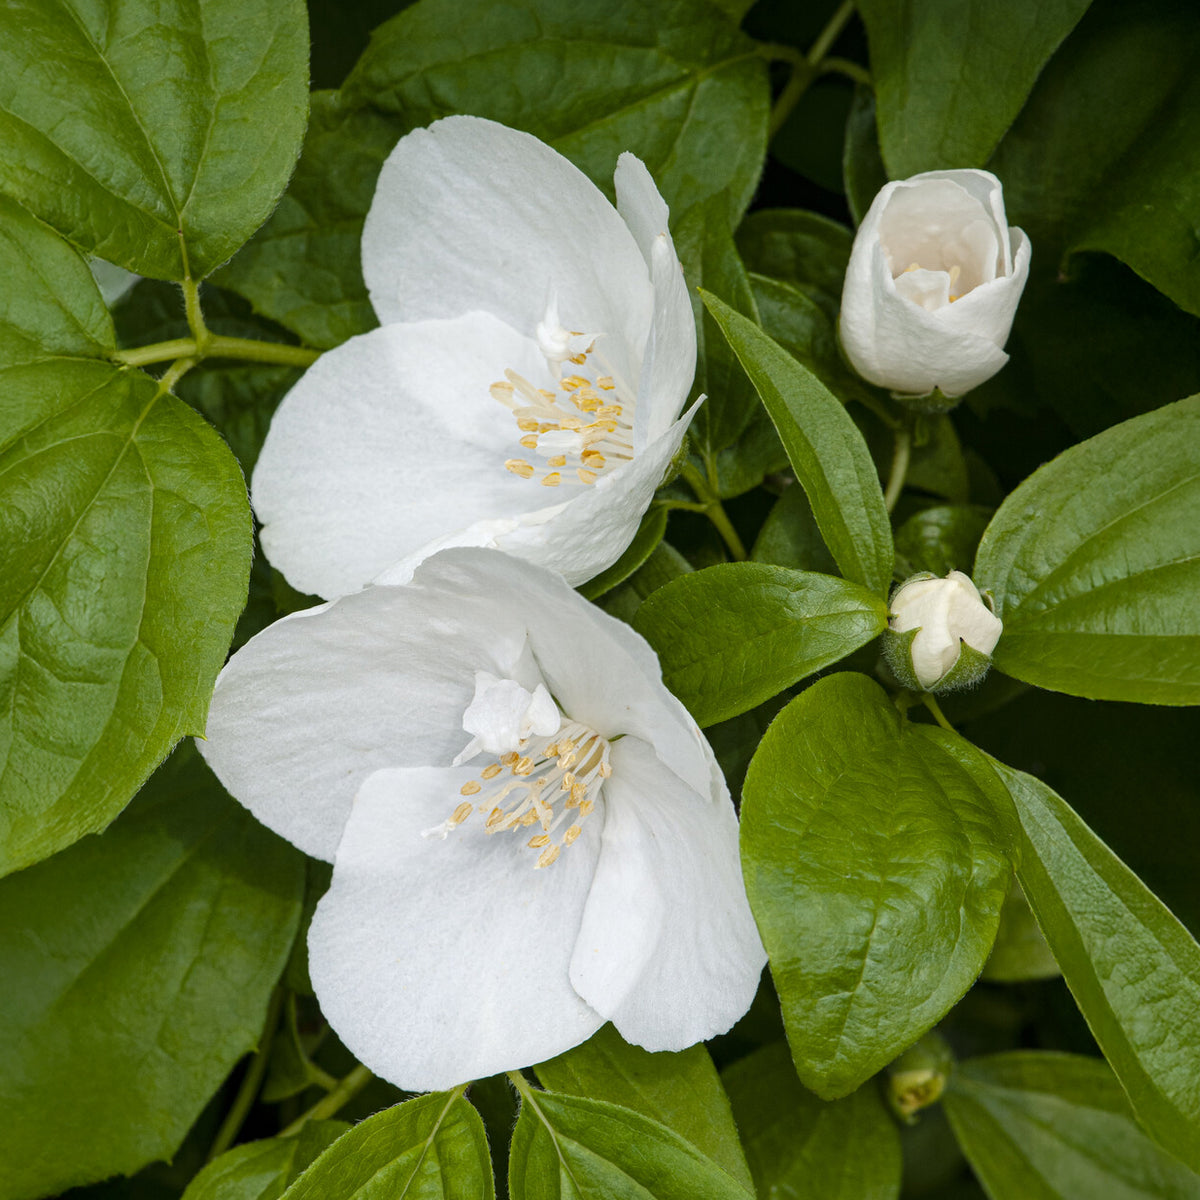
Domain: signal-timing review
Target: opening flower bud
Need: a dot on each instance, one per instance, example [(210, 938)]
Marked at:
[(919, 1076), (932, 286), (941, 633)]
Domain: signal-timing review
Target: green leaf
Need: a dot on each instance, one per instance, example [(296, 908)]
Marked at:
[(1038, 1126), (664, 564), (157, 134), (304, 267), (124, 558), (941, 539), (649, 534), (800, 248), (672, 81), (1021, 951), (1104, 157), (789, 537), (799, 1145), (950, 75), (710, 259), (571, 1148), (1132, 968), (137, 969), (50, 305), (862, 167), (682, 1091), (877, 854), (826, 450), (431, 1148), (734, 635), (262, 1170), (1095, 565)]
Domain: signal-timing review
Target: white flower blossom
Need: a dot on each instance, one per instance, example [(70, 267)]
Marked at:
[(525, 388), (933, 283), (947, 613), (529, 834)]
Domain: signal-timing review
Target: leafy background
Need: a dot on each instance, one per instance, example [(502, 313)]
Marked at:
[(988, 898)]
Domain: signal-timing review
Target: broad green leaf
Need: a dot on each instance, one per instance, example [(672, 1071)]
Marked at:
[(124, 556), (682, 1091), (649, 534), (877, 854), (1104, 156), (1039, 1126), (50, 305), (1132, 968), (263, 1170), (1021, 951), (431, 1148), (826, 450), (710, 260), (789, 537), (304, 267), (672, 81), (157, 134), (950, 75), (135, 970), (571, 1148), (1095, 565), (800, 248), (798, 1145), (664, 564), (810, 139), (941, 539), (734, 635)]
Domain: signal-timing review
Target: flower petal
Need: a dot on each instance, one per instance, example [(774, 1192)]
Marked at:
[(306, 710), (668, 950), (438, 961), (469, 214), (640, 203), (390, 442), (989, 309)]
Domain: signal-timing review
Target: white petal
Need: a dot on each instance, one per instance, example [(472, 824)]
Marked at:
[(640, 203), (668, 950), (989, 310), (670, 362), (600, 671), (987, 189), (306, 710), (387, 443), (502, 713), (469, 214), (438, 961), (592, 530)]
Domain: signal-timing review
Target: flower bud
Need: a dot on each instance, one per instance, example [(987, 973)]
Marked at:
[(919, 1076), (932, 286), (941, 633)]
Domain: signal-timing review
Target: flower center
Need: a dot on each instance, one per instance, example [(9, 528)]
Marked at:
[(581, 430), (930, 288), (546, 781)]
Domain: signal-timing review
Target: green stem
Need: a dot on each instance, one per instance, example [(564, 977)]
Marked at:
[(806, 67), (174, 373), (219, 347), (714, 510), (940, 717), (901, 456), (195, 316), (328, 1106), (251, 1081), (844, 66)]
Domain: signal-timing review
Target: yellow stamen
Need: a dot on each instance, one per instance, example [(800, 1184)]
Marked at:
[(518, 466), (536, 843), (469, 788), (552, 480), (548, 856), (490, 772), (585, 476), (571, 835), (559, 460)]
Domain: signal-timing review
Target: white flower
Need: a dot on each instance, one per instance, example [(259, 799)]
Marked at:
[(947, 613), (524, 390), (440, 742), (933, 283)]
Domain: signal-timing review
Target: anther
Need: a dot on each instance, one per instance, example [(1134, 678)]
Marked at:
[(536, 843), (490, 772), (470, 788), (548, 856), (585, 476), (571, 835), (461, 813), (551, 480), (518, 466)]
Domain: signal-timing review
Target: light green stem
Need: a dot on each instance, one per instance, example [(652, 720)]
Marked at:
[(806, 67), (901, 456), (715, 511), (251, 1081), (940, 717), (216, 346), (328, 1106)]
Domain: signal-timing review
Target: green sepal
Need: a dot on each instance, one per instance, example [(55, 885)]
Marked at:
[(897, 653), (932, 402)]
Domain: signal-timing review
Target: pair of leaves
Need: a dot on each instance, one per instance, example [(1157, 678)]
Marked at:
[(137, 969)]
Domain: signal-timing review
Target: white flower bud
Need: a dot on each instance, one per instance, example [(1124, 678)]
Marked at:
[(933, 283), (952, 629)]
